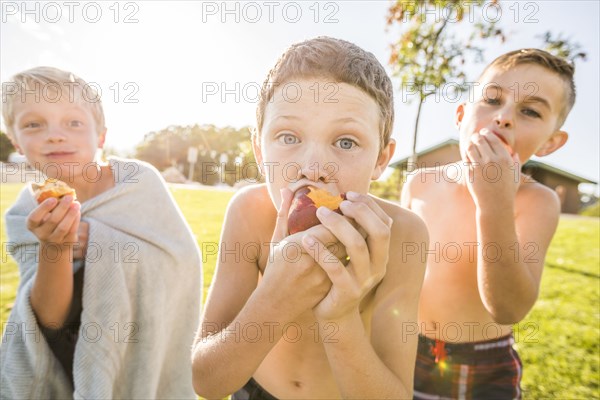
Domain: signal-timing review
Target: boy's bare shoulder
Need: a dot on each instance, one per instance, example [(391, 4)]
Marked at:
[(533, 196), (407, 225), (251, 207)]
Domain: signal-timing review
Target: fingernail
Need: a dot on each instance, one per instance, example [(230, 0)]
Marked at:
[(323, 211), (352, 195)]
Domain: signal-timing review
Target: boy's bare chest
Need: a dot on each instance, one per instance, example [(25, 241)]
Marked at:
[(449, 216)]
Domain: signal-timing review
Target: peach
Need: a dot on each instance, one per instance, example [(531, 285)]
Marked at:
[(303, 212), (52, 188)]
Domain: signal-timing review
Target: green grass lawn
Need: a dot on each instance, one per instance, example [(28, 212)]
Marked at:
[(558, 341)]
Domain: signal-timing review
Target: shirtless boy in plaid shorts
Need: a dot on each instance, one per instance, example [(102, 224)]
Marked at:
[(491, 216)]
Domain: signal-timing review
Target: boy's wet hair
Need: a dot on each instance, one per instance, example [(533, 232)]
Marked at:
[(563, 68), (52, 85), (336, 60)]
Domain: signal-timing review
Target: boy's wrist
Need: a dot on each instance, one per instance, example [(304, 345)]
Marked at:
[(495, 207), (53, 252)]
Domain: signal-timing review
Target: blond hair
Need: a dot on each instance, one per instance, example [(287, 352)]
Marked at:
[(339, 60), (561, 67), (52, 85)]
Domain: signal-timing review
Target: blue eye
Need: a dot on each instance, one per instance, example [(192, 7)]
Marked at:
[(31, 125), (287, 138), (346, 144), (76, 123)]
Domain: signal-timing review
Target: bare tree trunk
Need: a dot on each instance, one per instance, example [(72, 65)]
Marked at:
[(413, 157), (412, 160)]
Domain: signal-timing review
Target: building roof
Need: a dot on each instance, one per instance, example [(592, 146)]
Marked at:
[(428, 150), (529, 164)]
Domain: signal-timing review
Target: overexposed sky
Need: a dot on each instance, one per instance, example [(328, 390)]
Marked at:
[(160, 63)]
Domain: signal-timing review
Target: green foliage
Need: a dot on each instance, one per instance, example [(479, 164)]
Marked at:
[(6, 147), (428, 55), (562, 47), (560, 350), (169, 147), (591, 211), (390, 188)]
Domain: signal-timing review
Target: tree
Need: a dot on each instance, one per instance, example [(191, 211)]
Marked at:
[(6, 147), (562, 47), (224, 154), (428, 56)]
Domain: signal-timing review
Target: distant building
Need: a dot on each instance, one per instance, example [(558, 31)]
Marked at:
[(565, 184)]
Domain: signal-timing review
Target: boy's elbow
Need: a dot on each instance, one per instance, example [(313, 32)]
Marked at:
[(506, 318), (509, 315), (202, 387), (205, 385)]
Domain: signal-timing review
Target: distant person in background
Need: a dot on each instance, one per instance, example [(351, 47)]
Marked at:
[(495, 223), (110, 276)]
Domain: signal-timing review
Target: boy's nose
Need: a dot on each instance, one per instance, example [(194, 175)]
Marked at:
[(55, 134), (316, 168), (504, 118)]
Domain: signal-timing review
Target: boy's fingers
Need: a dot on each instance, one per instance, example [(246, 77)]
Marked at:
[(59, 212), (333, 267), (372, 204), (378, 231), (483, 147), (37, 216), (68, 225), (473, 154), (281, 224), (356, 246)]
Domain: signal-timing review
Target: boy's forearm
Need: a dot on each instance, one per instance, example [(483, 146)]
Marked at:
[(225, 360), (359, 372), (52, 291), (505, 282)]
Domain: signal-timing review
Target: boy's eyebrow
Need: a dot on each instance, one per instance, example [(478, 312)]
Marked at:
[(348, 119), (528, 99), (294, 117), (537, 99)]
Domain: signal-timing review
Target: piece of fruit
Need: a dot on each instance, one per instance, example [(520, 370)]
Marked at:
[(303, 212), (52, 188)]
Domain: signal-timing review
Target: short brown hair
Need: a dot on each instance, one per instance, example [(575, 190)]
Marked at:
[(39, 80), (342, 61), (563, 68)]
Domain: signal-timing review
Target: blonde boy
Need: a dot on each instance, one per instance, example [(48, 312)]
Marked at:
[(286, 318), (498, 222), (109, 282)]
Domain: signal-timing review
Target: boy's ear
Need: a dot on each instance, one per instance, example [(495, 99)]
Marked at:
[(555, 142), (101, 138), (384, 159), (459, 114)]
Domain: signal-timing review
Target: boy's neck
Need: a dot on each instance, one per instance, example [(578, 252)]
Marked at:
[(87, 188)]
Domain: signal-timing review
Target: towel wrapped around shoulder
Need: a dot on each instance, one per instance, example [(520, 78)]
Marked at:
[(141, 298)]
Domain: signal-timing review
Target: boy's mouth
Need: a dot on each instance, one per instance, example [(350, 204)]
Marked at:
[(304, 188), (504, 142), (56, 154)]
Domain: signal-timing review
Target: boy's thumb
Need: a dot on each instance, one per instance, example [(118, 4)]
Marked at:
[(281, 225)]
